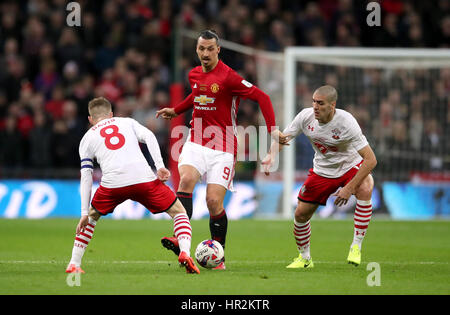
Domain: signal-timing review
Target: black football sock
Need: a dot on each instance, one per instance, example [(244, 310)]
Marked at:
[(218, 226), (186, 201)]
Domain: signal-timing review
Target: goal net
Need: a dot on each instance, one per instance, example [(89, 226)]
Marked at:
[(400, 98)]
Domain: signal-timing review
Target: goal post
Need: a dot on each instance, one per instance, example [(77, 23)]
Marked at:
[(429, 65)]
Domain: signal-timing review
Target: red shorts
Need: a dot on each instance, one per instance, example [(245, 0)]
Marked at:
[(155, 196), (317, 189)]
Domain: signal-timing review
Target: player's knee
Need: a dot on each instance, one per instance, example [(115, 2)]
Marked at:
[(187, 182), (176, 208), (364, 193), (214, 204), (301, 217), (304, 213), (94, 215), (364, 190)]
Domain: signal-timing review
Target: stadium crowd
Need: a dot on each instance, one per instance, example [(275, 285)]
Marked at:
[(123, 51)]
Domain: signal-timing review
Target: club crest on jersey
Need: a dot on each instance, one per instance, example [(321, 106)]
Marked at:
[(336, 133), (204, 100), (214, 88)]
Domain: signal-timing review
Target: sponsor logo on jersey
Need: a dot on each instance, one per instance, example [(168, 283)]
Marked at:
[(310, 128), (214, 88), (246, 83), (204, 100)]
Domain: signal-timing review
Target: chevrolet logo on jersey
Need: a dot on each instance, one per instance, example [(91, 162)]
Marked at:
[(204, 100)]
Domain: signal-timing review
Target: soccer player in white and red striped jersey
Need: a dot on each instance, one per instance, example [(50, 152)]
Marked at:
[(114, 143), (343, 162), (211, 146)]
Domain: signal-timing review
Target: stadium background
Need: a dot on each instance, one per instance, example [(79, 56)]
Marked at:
[(126, 51)]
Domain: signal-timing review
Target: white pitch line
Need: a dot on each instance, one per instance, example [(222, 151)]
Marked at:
[(137, 262)]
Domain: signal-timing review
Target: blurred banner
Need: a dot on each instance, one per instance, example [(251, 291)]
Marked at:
[(60, 198), (417, 201)]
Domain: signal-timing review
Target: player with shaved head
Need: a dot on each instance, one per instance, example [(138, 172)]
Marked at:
[(343, 162)]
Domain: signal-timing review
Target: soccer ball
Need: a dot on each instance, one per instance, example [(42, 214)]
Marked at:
[(209, 254)]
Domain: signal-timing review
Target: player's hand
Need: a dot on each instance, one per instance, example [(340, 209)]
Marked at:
[(166, 113), (343, 195), (280, 137), (163, 174), (267, 163), (82, 224)]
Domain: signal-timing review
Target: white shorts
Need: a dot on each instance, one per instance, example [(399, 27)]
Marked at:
[(217, 165)]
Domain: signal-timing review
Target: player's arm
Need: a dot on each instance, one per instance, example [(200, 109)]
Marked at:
[(369, 163), (169, 112), (245, 89), (265, 104), (144, 135), (281, 139), (87, 167), (269, 159)]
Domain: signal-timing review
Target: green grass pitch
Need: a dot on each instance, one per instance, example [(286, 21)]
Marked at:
[(126, 257)]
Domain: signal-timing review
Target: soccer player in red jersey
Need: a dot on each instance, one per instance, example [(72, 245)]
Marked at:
[(211, 146), (114, 143), (343, 162)]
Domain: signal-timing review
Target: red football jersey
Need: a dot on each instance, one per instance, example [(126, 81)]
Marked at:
[(215, 100)]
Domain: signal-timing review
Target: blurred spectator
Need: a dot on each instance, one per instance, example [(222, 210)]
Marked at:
[(107, 54), (47, 78), (69, 48), (10, 27), (55, 103), (67, 133), (310, 26), (433, 143), (124, 51), (15, 77), (10, 137), (40, 141), (34, 38)]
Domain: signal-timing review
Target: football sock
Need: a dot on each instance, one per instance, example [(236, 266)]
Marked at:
[(218, 227), (183, 232), (81, 242), (302, 234), (363, 213), (186, 201)]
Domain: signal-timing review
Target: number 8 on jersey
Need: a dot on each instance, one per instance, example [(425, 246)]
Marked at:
[(114, 134)]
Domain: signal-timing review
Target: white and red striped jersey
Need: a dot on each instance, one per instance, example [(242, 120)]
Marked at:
[(336, 143), (115, 144)]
